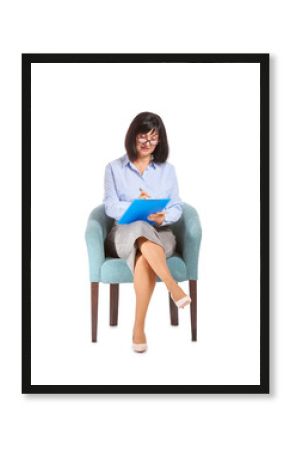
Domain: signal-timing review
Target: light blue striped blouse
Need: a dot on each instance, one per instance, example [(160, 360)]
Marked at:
[(123, 180)]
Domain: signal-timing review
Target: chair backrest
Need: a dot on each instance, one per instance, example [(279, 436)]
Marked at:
[(189, 218), (100, 216)]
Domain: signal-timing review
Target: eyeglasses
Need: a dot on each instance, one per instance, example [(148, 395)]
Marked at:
[(144, 141)]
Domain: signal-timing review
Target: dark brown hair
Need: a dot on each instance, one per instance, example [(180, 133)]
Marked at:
[(142, 123)]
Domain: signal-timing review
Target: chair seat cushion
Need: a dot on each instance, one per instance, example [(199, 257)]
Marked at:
[(116, 270)]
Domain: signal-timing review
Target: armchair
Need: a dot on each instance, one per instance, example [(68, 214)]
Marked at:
[(183, 264)]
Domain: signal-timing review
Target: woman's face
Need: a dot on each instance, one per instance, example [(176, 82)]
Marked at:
[(146, 143)]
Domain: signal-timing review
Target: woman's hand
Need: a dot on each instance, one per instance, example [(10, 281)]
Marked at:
[(157, 217), (144, 195)]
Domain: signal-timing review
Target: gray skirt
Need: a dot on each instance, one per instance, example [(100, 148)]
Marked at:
[(121, 240)]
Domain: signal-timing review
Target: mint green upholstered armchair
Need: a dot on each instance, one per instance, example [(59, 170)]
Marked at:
[(183, 264)]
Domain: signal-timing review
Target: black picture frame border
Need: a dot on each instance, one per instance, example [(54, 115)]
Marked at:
[(264, 60)]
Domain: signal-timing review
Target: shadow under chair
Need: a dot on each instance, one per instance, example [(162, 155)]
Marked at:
[(183, 264)]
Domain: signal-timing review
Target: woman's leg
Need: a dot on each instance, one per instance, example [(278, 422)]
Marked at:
[(155, 256), (144, 283)]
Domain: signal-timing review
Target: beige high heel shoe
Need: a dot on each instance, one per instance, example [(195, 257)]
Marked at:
[(139, 348), (182, 302)]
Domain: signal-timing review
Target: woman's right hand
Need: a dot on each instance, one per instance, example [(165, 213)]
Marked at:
[(144, 195)]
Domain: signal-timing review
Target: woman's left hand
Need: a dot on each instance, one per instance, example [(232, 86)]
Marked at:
[(157, 217)]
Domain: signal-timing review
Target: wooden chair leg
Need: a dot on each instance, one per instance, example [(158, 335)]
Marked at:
[(173, 311), (193, 308), (114, 304), (94, 308)]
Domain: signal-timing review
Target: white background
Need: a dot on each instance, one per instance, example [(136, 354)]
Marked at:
[(62, 421), (80, 113)]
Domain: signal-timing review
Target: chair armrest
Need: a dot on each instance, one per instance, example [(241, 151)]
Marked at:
[(97, 228), (188, 233)]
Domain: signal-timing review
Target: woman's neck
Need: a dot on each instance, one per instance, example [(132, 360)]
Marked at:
[(144, 161), (142, 164)]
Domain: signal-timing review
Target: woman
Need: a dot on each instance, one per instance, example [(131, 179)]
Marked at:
[(143, 173)]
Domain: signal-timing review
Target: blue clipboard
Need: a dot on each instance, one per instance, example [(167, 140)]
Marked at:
[(141, 208)]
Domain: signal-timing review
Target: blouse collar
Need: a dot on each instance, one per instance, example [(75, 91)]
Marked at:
[(126, 161)]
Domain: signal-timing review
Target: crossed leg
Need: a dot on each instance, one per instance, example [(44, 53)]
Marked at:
[(156, 258), (150, 261)]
